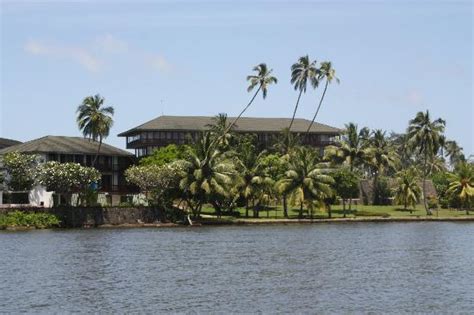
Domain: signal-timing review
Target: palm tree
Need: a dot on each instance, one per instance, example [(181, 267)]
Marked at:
[(207, 172), (408, 192), (262, 80), (326, 72), (252, 172), (426, 137), (306, 180), (461, 182), (301, 72), (382, 157), (351, 149), (220, 131), (454, 152), (94, 120), (286, 142)]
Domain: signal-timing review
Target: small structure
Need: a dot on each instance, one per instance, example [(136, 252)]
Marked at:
[(111, 163), (165, 130)]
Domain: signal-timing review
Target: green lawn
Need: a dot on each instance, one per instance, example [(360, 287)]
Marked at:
[(357, 211)]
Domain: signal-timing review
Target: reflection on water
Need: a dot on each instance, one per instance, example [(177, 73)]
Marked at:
[(333, 268)]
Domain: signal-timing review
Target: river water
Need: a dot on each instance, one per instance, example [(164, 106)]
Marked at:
[(320, 268)]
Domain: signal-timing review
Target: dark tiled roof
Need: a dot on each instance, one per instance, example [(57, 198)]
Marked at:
[(4, 142), (247, 124), (65, 145)]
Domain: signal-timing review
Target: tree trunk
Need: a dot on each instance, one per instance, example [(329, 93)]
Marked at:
[(344, 207), (285, 207), (352, 170), (296, 108), (246, 207), (243, 111), (98, 151), (301, 210), (319, 106), (425, 171), (329, 211)]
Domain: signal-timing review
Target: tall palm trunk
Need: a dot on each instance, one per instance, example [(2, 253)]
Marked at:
[(425, 173), (243, 111), (319, 106), (301, 210), (296, 108), (352, 170), (98, 151)]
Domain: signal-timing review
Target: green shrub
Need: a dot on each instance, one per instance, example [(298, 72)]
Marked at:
[(26, 219)]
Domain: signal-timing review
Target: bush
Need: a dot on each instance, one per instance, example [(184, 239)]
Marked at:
[(25, 219)]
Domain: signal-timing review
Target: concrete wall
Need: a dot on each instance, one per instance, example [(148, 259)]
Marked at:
[(93, 217), (39, 197)]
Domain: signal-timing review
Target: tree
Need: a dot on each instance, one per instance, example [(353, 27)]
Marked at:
[(351, 149), (407, 191), (165, 155), (382, 157), (21, 169), (254, 179), (461, 183), (67, 178), (220, 131), (301, 72), (426, 137), (160, 183), (262, 80), (95, 120), (454, 152), (206, 172), (346, 185), (306, 181), (326, 72)]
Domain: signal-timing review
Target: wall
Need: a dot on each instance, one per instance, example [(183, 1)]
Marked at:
[(93, 217), (39, 197)]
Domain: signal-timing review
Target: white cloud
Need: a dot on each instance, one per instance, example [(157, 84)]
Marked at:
[(76, 54), (159, 63), (112, 44)]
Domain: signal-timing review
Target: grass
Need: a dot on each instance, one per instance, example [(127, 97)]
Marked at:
[(357, 211)]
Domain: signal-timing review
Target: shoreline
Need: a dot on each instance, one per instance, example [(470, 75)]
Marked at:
[(251, 222)]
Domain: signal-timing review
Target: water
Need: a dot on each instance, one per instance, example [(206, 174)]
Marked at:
[(323, 268)]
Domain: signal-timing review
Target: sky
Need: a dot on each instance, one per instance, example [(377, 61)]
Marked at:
[(148, 58)]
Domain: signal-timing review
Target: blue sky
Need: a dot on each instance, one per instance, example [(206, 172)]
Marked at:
[(191, 58)]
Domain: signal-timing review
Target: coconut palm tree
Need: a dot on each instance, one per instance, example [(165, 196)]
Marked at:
[(425, 136), (301, 72), (262, 80), (454, 152), (220, 131), (326, 72), (461, 182), (382, 157), (95, 120), (351, 149), (252, 172), (407, 192), (306, 181), (207, 172)]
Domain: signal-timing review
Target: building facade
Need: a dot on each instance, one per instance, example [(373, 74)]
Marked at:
[(165, 130), (111, 162)]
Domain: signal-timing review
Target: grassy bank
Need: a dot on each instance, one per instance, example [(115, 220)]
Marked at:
[(358, 211)]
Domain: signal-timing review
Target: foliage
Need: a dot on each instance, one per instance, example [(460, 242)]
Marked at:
[(159, 182), (346, 184), (25, 219), (382, 191), (67, 178), (165, 155), (21, 170), (461, 183), (407, 192)]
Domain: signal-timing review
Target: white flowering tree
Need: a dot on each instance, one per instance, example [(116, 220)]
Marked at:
[(67, 178), (20, 169)]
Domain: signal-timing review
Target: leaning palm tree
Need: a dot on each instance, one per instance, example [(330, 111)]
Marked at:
[(306, 181), (220, 131), (426, 137), (352, 149), (407, 192), (301, 72), (207, 172), (454, 152), (326, 72), (461, 183), (261, 80), (95, 120)]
